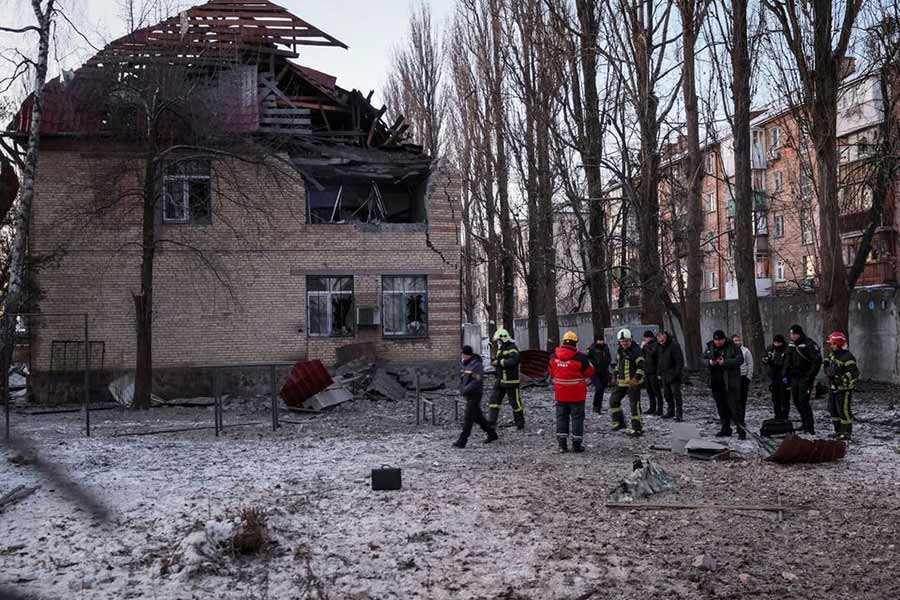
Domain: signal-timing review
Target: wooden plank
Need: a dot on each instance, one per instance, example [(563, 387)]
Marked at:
[(287, 130), (284, 121), (754, 507)]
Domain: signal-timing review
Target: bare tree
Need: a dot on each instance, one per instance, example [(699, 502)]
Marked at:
[(415, 85), (640, 35), (817, 48), (693, 12), (44, 13)]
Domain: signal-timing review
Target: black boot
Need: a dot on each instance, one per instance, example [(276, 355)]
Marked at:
[(460, 443), (679, 413), (563, 444), (618, 426), (576, 446), (724, 432), (636, 433), (491, 436)]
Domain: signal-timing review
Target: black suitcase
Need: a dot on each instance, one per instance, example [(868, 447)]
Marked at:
[(386, 478), (772, 427)]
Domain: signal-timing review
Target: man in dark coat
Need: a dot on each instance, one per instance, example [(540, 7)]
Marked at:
[(471, 387), (778, 378), (600, 357), (650, 350), (671, 369), (803, 361), (724, 360)]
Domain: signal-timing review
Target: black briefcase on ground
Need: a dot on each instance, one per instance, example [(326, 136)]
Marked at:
[(386, 478), (772, 427)]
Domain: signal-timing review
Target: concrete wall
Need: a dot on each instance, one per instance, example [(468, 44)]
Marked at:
[(874, 325)]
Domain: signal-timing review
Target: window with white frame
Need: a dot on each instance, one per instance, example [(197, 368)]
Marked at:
[(405, 305), (329, 306), (780, 270), (187, 196), (760, 222), (712, 280), (710, 202), (778, 225), (862, 146), (806, 188), (806, 226), (762, 267), (710, 163), (776, 137), (776, 181)]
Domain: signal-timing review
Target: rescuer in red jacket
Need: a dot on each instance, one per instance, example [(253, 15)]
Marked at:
[(569, 369)]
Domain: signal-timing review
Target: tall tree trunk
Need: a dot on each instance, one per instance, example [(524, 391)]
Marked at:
[(21, 219), (834, 294), (508, 251), (745, 266), (591, 150), (545, 210), (143, 302), (651, 273), (690, 307)]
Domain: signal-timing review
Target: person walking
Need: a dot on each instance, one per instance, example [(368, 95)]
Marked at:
[(843, 373), (746, 373), (724, 360), (629, 378), (600, 357), (803, 360), (671, 370), (507, 364), (471, 388), (778, 377), (569, 368), (650, 350)]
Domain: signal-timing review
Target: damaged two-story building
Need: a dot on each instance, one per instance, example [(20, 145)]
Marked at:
[(343, 232)]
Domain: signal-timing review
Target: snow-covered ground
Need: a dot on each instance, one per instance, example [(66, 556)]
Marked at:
[(510, 520)]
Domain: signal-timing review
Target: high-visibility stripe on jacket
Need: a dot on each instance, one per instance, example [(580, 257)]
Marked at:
[(508, 365), (629, 365), (841, 369), (569, 369)]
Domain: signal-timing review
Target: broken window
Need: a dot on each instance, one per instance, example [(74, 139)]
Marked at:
[(187, 196), (405, 301), (359, 201), (329, 306)]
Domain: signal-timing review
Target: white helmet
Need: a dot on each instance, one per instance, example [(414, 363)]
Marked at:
[(624, 334)]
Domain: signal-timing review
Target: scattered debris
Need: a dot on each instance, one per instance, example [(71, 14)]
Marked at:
[(122, 389), (705, 563), (706, 450), (762, 508), (795, 449), (306, 379), (251, 535), (17, 384), (333, 396), (682, 433), (789, 576), (203, 551), (430, 378), (645, 480), (534, 364), (18, 493), (384, 386)]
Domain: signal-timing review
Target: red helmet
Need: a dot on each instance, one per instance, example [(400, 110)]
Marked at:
[(837, 339)]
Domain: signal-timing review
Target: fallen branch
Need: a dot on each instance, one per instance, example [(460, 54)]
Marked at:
[(702, 507), (18, 493)]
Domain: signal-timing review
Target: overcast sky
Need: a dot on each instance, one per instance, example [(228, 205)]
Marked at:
[(369, 27)]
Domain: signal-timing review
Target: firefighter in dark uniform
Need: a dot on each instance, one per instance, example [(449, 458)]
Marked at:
[(600, 357), (507, 364), (725, 360), (803, 361), (629, 378), (842, 372), (778, 378)]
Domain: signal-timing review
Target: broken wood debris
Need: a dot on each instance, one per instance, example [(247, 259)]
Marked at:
[(17, 494), (795, 449)]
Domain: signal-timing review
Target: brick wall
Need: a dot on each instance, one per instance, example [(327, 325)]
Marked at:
[(234, 291)]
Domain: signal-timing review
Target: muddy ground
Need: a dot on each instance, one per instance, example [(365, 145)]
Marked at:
[(511, 520)]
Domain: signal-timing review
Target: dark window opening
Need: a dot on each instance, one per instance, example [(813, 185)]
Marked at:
[(405, 301), (187, 193), (329, 306), (360, 201)]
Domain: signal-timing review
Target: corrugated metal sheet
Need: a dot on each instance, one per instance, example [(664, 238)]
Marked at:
[(306, 379)]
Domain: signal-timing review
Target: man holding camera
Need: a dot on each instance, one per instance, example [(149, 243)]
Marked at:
[(725, 360)]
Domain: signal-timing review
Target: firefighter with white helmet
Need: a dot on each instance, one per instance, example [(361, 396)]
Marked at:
[(506, 362), (629, 377)]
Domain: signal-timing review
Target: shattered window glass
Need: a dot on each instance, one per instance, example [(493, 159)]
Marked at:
[(187, 193), (329, 306), (405, 305), (362, 201)]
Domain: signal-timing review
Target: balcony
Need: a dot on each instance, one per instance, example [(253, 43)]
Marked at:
[(858, 221), (882, 272)]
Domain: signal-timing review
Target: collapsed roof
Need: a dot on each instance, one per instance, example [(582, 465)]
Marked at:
[(250, 46)]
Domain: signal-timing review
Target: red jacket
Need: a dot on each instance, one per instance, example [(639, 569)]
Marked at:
[(569, 369)]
